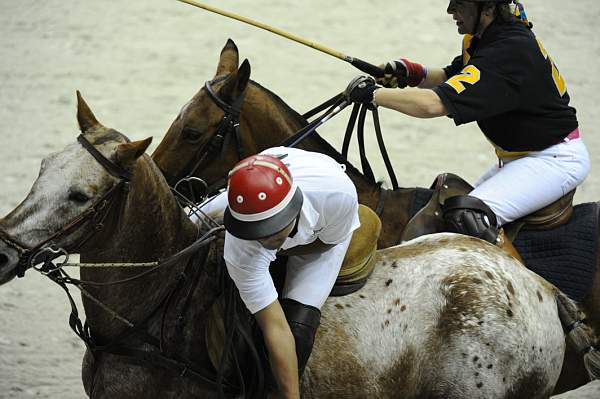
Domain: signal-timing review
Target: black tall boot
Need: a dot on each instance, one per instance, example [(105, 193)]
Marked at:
[(304, 321)]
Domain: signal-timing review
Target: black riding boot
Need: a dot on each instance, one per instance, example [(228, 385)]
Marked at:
[(471, 216), (304, 321)]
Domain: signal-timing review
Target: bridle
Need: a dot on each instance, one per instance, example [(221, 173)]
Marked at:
[(229, 126), (228, 129), (96, 214)]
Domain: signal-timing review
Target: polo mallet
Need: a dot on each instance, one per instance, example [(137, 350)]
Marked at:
[(363, 66)]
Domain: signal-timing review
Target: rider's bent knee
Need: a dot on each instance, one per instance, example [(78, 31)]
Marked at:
[(469, 215)]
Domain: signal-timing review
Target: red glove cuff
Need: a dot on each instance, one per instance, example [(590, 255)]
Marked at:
[(416, 73)]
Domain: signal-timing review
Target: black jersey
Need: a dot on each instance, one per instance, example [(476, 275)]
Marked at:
[(508, 83)]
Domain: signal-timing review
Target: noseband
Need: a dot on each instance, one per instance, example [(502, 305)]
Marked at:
[(97, 214)]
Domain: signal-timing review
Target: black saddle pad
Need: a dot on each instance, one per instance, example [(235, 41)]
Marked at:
[(565, 256)]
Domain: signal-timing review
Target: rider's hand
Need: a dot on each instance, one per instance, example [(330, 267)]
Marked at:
[(401, 73), (360, 90)]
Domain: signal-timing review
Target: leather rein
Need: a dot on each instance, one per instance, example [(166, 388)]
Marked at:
[(230, 126)]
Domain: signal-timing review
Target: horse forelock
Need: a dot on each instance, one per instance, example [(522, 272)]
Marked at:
[(102, 135)]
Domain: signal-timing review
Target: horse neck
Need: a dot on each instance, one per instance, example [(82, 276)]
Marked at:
[(262, 116), (150, 227)]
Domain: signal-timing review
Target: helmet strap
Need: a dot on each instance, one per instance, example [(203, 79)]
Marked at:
[(479, 12)]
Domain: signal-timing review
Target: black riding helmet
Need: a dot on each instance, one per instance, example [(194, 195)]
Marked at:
[(480, 7)]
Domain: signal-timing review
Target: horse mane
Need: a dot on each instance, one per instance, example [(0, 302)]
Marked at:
[(301, 121)]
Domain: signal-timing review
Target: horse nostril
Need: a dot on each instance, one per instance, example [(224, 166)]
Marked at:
[(3, 260)]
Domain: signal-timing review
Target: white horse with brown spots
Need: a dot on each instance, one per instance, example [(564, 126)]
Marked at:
[(443, 316)]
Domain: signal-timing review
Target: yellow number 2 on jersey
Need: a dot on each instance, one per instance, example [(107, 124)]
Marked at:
[(470, 74), (559, 80)]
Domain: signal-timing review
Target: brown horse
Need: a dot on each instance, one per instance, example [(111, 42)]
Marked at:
[(443, 316), (266, 121)]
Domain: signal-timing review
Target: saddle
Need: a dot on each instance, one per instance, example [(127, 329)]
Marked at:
[(360, 258), (429, 218), (558, 242)]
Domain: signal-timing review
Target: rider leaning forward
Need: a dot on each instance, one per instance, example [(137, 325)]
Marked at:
[(506, 82), (301, 204)]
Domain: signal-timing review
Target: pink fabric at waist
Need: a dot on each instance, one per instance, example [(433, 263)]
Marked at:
[(572, 136)]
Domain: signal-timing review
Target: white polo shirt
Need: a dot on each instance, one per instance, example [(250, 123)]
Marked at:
[(329, 212)]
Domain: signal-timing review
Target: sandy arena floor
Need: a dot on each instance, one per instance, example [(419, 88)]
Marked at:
[(137, 62)]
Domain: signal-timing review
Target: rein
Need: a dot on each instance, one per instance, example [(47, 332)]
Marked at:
[(156, 357), (230, 126)]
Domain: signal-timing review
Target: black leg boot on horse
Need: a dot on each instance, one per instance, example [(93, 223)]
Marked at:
[(469, 215)]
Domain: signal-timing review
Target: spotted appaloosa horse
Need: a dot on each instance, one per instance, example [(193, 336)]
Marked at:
[(443, 316), (266, 121)]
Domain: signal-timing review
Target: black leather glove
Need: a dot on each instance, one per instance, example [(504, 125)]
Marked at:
[(394, 75), (360, 90), (401, 73)]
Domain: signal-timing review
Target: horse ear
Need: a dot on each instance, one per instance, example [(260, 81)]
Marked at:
[(237, 82), (128, 153), (229, 59), (244, 75), (85, 116)]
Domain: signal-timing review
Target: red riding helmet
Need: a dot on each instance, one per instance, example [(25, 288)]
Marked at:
[(262, 198)]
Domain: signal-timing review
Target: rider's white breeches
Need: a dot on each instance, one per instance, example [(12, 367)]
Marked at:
[(523, 185), (311, 277)]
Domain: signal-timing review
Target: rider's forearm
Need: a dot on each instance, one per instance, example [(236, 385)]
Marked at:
[(435, 77), (414, 102), (281, 347)]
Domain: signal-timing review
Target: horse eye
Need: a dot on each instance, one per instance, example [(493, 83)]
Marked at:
[(191, 135), (79, 197)]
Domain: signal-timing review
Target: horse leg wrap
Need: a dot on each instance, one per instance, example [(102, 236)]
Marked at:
[(304, 321), (469, 215)]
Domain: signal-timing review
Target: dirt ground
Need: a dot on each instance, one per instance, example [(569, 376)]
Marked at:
[(138, 62)]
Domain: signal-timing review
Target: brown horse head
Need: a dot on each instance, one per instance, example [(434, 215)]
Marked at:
[(200, 142), (191, 135)]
